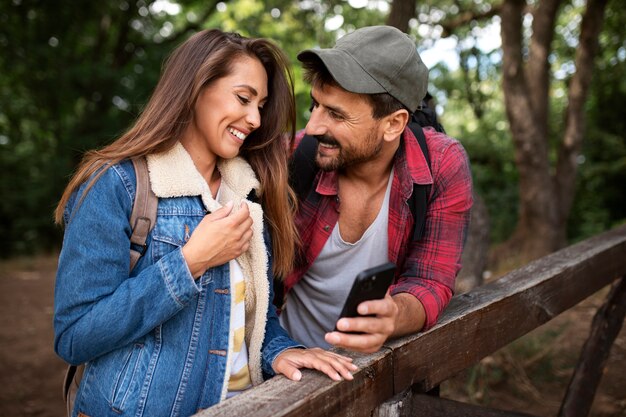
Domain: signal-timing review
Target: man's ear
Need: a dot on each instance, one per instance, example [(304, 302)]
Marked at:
[(394, 124)]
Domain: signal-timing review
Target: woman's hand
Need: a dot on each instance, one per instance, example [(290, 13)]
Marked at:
[(332, 364), (220, 237)]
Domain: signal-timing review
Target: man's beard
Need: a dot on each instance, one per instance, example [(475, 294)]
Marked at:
[(368, 150)]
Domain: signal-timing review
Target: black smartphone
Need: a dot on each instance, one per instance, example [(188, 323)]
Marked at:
[(370, 284)]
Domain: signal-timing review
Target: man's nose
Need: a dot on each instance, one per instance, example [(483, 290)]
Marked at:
[(315, 125)]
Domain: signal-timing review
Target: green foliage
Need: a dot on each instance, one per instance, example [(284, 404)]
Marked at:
[(73, 76), (475, 114), (72, 79), (600, 198)]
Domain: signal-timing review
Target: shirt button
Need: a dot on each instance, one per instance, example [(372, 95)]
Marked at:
[(327, 228)]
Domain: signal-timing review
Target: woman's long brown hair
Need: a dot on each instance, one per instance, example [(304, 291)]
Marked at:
[(201, 60)]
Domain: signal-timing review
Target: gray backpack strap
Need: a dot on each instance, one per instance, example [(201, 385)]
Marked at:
[(143, 216)]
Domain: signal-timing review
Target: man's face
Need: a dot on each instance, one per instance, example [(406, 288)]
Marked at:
[(342, 123)]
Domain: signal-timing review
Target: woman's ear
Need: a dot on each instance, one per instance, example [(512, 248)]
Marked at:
[(394, 124)]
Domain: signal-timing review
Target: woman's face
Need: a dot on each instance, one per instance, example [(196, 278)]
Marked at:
[(228, 110)]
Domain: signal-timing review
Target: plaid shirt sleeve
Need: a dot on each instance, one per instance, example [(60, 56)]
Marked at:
[(432, 263)]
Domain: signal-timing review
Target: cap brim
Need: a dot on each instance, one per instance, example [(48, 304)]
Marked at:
[(344, 69)]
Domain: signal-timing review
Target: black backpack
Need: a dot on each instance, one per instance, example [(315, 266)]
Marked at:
[(302, 168)]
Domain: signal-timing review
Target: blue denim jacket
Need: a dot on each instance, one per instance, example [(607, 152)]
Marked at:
[(155, 343)]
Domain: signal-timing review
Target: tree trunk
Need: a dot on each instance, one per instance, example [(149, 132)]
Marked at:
[(545, 199), (544, 20), (401, 12), (535, 234), (575, 120)]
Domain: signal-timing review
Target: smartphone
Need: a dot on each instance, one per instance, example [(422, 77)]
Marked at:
[(370, 284)]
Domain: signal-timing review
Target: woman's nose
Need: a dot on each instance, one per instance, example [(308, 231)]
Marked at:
[(253, 119)]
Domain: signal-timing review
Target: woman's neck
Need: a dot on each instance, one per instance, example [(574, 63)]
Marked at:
[(205, 162)]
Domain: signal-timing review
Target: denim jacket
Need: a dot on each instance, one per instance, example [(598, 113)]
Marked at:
[(158, 342)]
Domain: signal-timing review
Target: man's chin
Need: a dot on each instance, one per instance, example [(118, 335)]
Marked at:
[(327, 164)]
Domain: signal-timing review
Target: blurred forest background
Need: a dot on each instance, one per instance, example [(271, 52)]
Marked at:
[(540, 113), (534, 89)]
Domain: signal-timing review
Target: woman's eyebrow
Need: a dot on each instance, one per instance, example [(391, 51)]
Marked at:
[(248, 87), (252, 90)]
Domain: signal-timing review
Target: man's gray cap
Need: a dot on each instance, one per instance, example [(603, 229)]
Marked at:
[(376, 59)]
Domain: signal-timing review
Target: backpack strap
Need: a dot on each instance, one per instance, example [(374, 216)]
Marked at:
[(418, 202), (73, 376), (302, 168), (302, 172), (143, 216)]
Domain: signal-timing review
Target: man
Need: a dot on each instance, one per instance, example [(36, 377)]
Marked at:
[(356, 214)]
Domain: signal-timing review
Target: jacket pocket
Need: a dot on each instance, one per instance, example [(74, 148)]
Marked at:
[(164, 244), (126, 381)]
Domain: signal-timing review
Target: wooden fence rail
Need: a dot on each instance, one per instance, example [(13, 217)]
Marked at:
[(473, 326)]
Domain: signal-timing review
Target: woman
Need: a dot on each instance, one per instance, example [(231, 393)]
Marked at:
[(168, 337)]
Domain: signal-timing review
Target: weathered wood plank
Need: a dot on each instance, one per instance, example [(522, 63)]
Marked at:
[(605, 327), (490, 317), (409, 404), (316, 394)]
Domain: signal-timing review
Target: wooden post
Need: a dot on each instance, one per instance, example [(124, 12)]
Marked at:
[(606, 326)]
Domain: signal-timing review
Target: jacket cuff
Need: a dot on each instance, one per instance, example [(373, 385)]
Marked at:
[(274, 348), (177, 277)]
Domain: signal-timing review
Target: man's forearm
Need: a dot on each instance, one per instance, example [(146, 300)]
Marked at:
[(411, 315)]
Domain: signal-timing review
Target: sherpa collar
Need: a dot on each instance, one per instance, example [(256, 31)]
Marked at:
[(173, 174)]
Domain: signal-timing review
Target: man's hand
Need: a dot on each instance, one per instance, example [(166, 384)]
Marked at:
[(336, 366), (393, 316)]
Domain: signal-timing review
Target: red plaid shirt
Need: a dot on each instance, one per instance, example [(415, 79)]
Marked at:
[(428, 267)]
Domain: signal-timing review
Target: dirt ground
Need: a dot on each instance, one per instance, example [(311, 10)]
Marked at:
[(530, 375), (31, 374)]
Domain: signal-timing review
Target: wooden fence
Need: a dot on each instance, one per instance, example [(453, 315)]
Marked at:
[(391, 381)]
